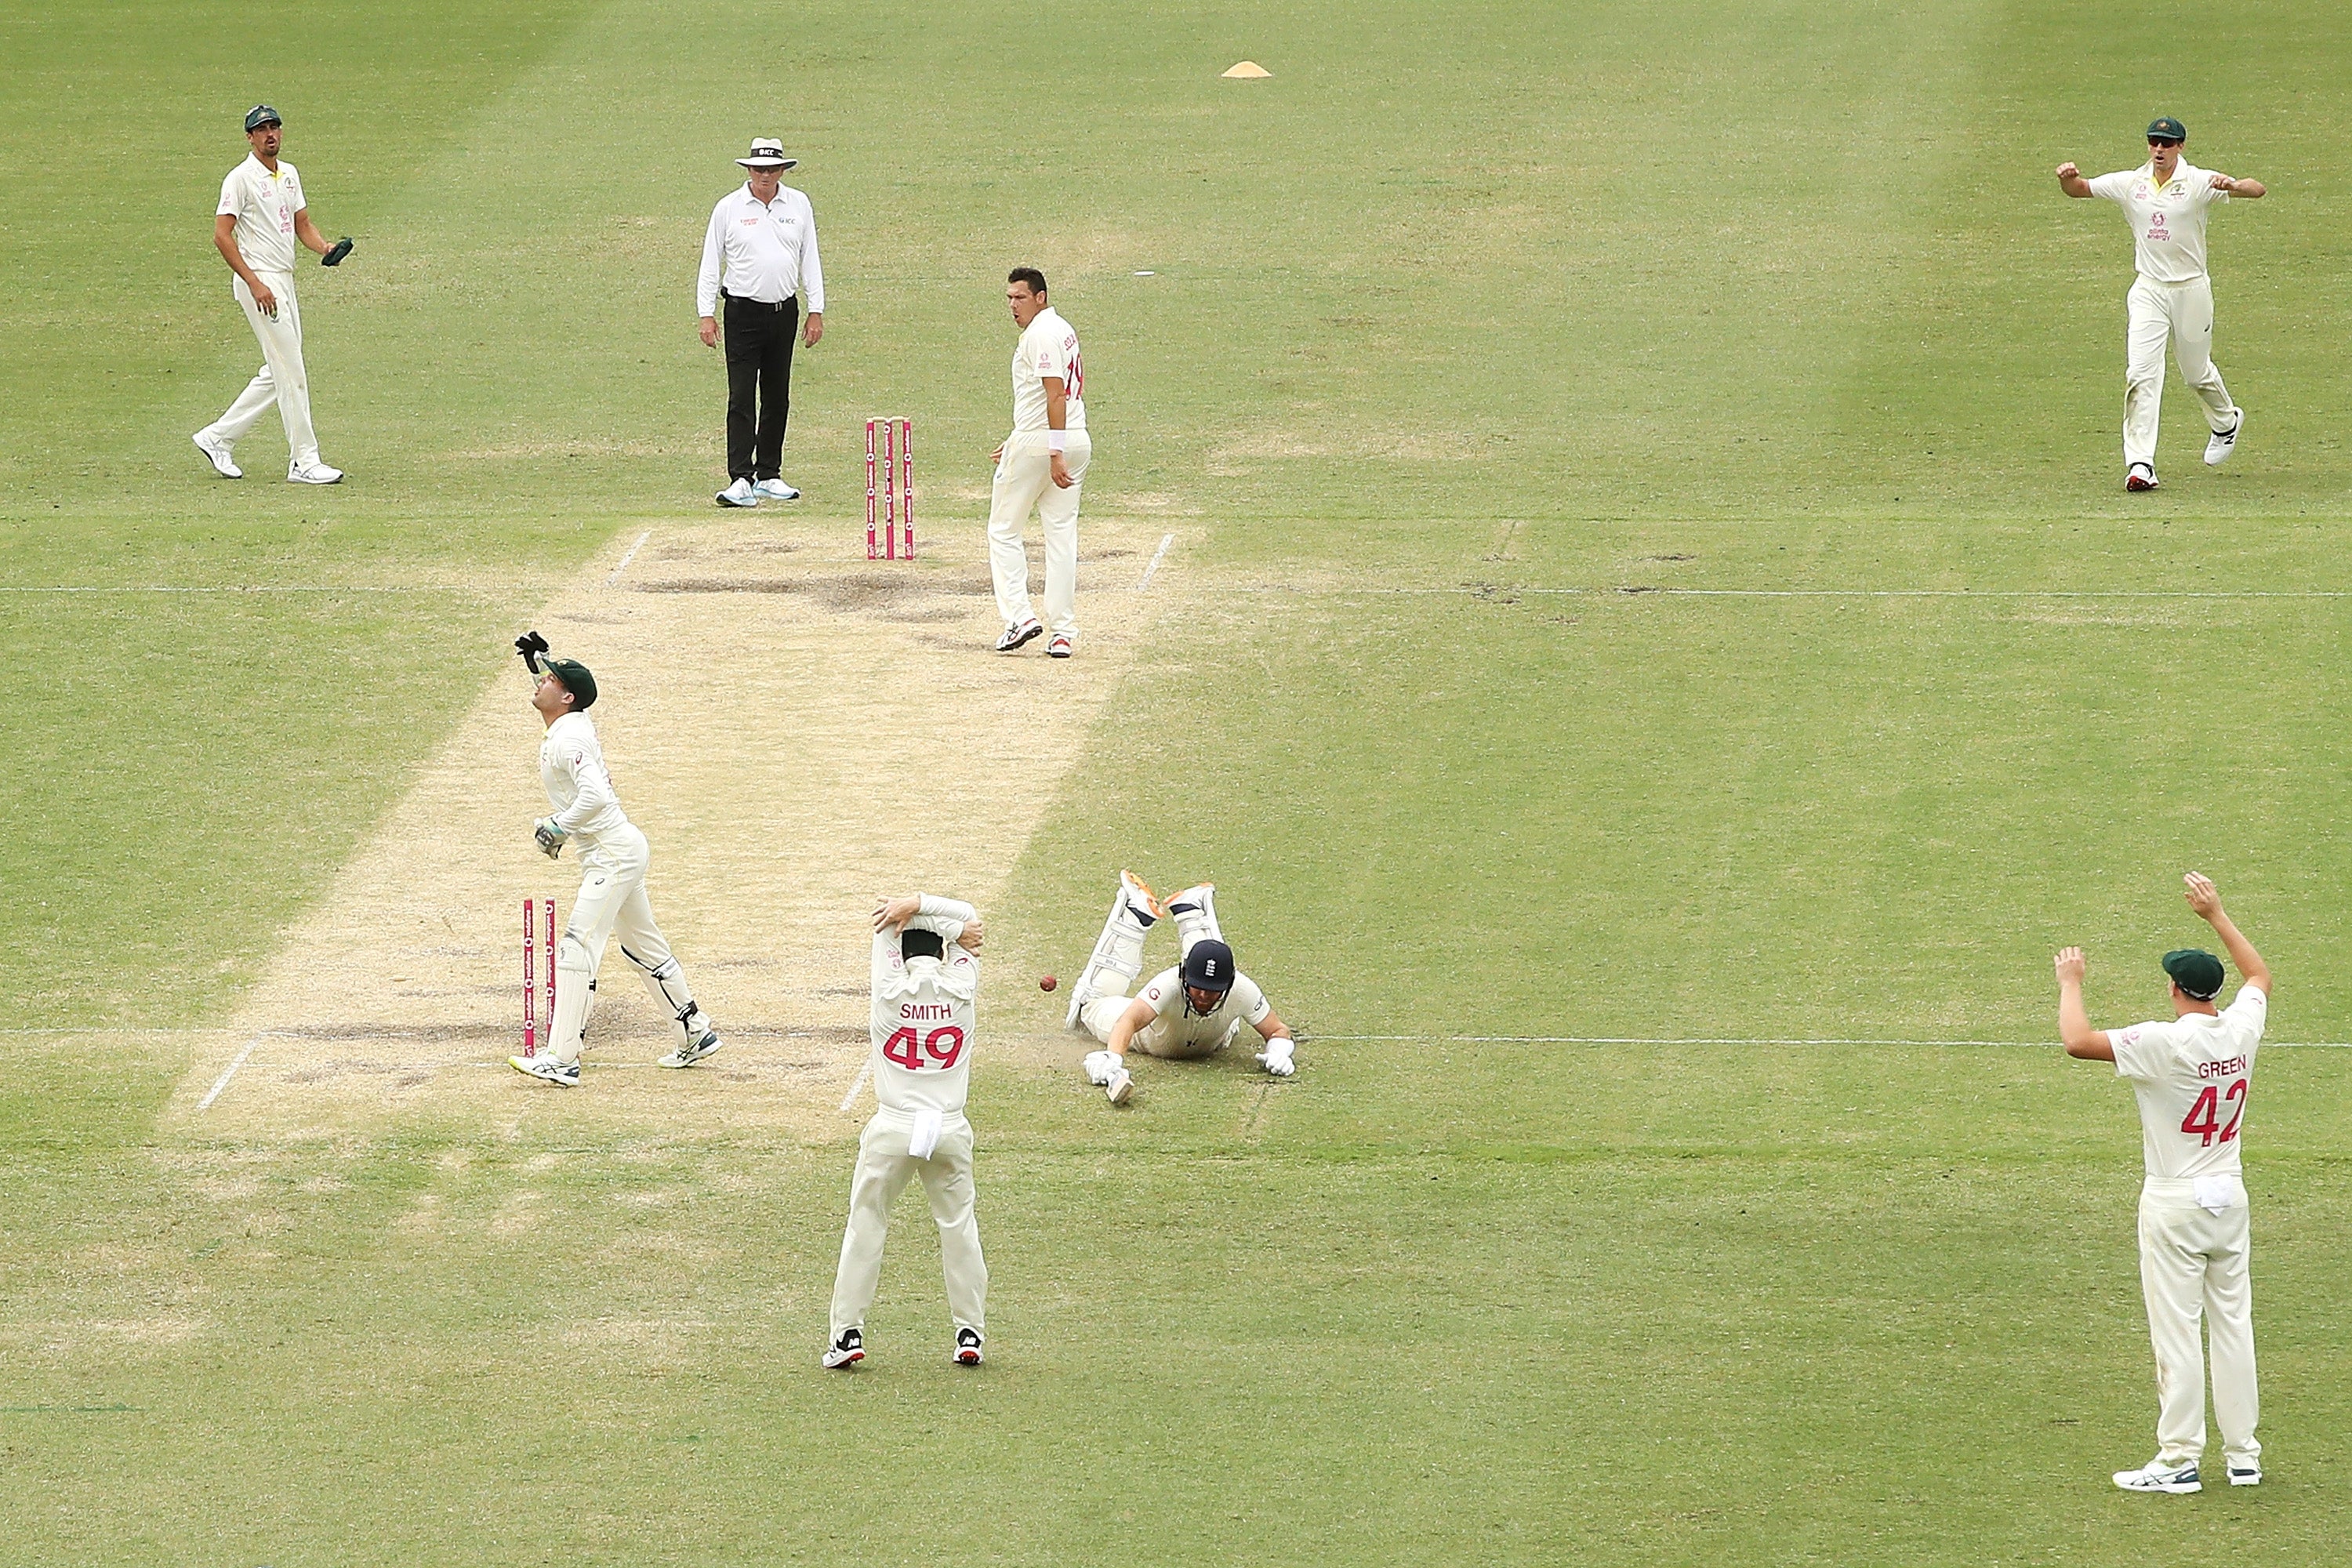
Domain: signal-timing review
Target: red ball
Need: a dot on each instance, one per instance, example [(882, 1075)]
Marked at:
[(1047, 983)]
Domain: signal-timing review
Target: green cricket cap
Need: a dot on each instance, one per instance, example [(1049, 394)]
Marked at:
[(583, 685), (259, 115), (2195, 971), (2164, 128)]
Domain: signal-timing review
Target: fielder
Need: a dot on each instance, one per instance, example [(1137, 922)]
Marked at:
[(2191, 1073), (923, 1021), (2166, 201), (1191, 1011), (1041, 463), (262, 213), (612, 899)]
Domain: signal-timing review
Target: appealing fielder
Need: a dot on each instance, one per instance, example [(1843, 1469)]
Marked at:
[(1191, 1011), (612, 899), (926, 971), (262, 214), (2166, 201), (1041, 463), (2190, 1073)]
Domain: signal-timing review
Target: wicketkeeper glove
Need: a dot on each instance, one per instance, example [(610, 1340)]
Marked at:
[(531, 645), (336, 252), (549, 836), (1275, 1057)]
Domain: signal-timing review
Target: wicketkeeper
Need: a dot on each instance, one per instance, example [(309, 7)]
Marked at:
[(1191, 1011), (924, 1015), (612, 857)]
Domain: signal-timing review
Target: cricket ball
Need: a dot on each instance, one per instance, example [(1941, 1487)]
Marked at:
[(1047, 983)]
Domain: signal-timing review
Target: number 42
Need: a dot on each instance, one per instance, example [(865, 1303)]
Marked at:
[(2203, 1118)]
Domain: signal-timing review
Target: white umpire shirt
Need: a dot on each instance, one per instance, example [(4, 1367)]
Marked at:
[(761, 250)]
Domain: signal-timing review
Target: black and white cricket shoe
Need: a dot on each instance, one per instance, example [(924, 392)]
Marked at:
[(738, 494), (967, 1347), (1019, 636), (2219, 447), (2245, 1475), (705, 1044), (547, 1069), (2139, 477), (2153, 1477), (847, 1350), (776, 490)]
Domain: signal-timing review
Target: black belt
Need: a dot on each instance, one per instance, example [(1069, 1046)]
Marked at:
[(779, 306)]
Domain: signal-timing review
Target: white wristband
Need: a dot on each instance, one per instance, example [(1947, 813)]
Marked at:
[(1055, 440)]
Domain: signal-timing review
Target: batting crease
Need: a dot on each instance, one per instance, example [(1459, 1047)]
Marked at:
[(632, 555), (227, 1073), (1165, 541)]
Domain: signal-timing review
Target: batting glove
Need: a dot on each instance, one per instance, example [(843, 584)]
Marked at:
[(550, 834), (1275, 1057), (1102, 1066)]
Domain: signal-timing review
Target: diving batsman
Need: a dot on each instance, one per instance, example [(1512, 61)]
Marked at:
[(612, 855)]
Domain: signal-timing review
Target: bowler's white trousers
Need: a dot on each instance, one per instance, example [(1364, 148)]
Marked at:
[(282, 379), (2192, 1263), (1024, 478), (884, 1168), (2184, 313), (612, 903)]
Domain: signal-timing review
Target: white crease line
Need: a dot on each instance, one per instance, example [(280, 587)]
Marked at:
[(227, 1073), (255, 588), (1640, 591), (632, 555), (865, 1069), (1760, 1040), (1165, 541)]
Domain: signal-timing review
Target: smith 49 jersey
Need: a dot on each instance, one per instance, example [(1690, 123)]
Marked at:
[(925, 1016)]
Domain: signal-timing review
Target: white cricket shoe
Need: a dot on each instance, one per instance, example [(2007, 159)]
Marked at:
[(2217, 449), (313, 473), (1121, 1086), (1020, 637), (847, 1350), (776, 490), (547, 1069), (2154, 1477), (967, 1347), (2245, 1475), (216, 453), (739, 493), (1064, 644), (2141, 476), (705, 1044)]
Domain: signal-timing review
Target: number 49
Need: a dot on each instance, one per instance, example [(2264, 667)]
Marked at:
[(944, 1045), (2204, 1116)]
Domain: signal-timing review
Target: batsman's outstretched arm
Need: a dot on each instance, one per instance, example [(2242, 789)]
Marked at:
[(1131, 1022), (2074, 1024), (2203, 899), (1271, 1027)]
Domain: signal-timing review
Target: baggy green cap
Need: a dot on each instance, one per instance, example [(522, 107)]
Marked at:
[(2195, 971), (583, 685), (2164, 128)]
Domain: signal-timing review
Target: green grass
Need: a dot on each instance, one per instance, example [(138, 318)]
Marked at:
[(1485, 299)]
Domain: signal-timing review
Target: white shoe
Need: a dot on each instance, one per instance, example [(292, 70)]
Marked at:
[(967, 1347), (217, 455), (1019, 636), (704, 1045), (2139, 477), (739, 493), (776, 490), (313, 473), (1064, 644), (564, 1075), (1121, 1086), (2153, 1477), (2245, 1475), (2216, 449), (847, 1350)]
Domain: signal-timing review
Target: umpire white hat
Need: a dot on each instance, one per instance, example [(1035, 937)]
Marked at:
[(767, 153)]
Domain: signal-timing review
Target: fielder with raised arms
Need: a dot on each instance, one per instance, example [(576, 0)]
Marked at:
[(612, 857), (2166, 201), (923, 1019), (2191, 1073), (1191, 1011)]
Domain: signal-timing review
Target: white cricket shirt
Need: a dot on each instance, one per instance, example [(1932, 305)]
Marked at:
[(2192, 1075), (925, 1016), (1176, 1023), (1048, 346), (761, 250), (263, 206), (571, 768), (2167, 221)]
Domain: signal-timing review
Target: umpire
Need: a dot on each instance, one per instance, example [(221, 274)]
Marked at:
[(761, 255)]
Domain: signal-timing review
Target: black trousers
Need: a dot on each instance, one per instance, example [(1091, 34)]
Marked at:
[(759, 361)]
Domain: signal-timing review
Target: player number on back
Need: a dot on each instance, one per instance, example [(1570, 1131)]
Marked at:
[(939, 1049), (2204, 1118)]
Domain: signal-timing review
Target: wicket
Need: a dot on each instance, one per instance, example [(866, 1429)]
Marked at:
[(896, 514), (536, 1032)]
